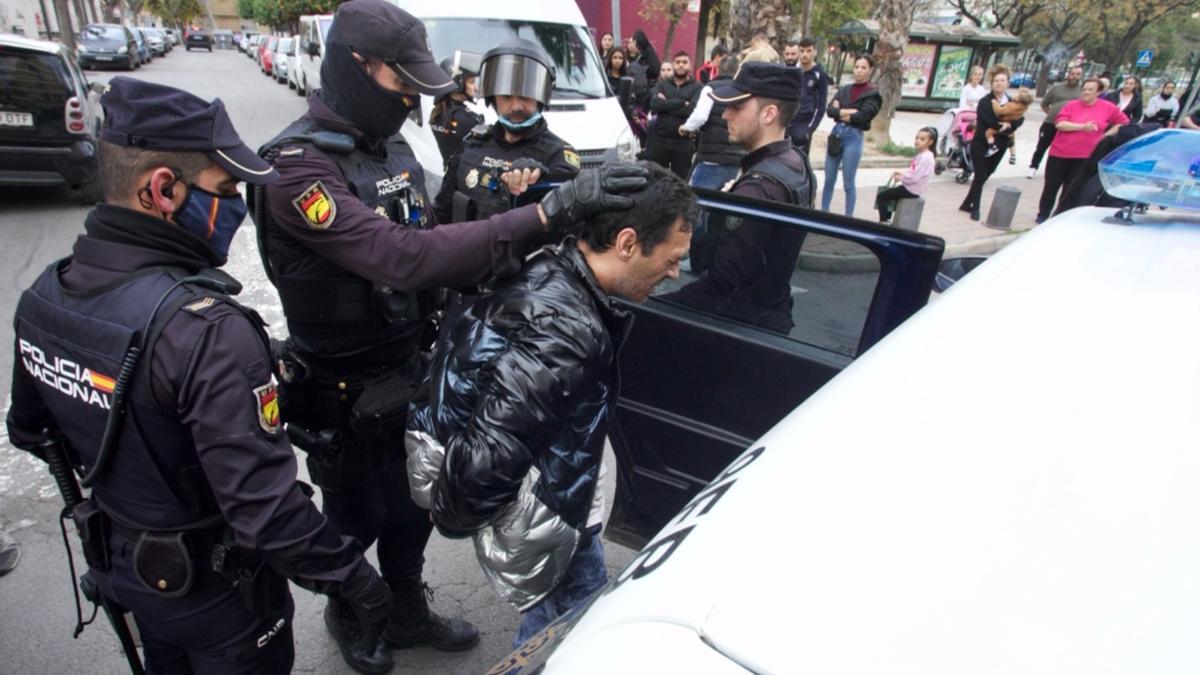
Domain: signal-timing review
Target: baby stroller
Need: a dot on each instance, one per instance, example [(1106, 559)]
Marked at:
[(958, 152)]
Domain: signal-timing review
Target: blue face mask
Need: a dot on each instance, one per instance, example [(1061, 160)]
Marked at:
[(521, 126), (212, 217)]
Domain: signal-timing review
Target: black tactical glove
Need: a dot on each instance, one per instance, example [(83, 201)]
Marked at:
[(591, 192), (531, 164), (372, 604)]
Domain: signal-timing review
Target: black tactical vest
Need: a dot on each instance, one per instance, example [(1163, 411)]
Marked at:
[(451, 126), (72, 345), (333, 313), (799, 183), (714, 145), (479, 193)]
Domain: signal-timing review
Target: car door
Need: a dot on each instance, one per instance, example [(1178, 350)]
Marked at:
[(717, 357)]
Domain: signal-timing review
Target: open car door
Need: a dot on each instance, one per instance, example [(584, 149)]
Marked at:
[(774, 302)]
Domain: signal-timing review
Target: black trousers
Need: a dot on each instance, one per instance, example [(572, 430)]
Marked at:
[(984, 168), (674, 155), (1046, 134), (885, 201), (209, 630), (1060, 173)]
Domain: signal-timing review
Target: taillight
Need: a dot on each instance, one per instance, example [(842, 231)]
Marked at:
[(74, 116)]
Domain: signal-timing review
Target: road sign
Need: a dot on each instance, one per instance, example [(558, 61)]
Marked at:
[(1144, 58)]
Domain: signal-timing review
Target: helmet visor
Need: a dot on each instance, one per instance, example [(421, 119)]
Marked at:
[(515, 75)]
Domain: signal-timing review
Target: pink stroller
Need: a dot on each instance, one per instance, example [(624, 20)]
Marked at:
[(958, 153)]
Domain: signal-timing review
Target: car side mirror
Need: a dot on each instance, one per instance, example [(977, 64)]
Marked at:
[(952, 270), (313, 49)]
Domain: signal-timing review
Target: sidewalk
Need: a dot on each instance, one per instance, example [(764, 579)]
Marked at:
[(941, 217)]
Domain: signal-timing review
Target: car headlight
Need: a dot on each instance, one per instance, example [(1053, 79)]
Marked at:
[(627, 146), (123, 50)]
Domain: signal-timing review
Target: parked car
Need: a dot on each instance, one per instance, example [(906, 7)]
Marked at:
[(165, 38), (222, 39), (1004, 484), (279, 60), (295, 67), (107, 44), (244, 39), (158, 46), (1027, 80), (198, 39), (252, 44), (266, 55), (313, 29), (143, 47), (49, 118), (173, 34)]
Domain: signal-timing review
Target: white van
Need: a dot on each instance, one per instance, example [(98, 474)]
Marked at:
[(582, 110), (313, 29)]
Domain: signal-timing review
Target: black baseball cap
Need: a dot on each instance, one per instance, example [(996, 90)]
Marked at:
[(756, 78), (382, 30), (142, 114)]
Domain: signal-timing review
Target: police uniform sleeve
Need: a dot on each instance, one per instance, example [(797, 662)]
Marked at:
[(312, 202), (27, 414), (564, 165), (443, 204), (217, 367), (741, 259)]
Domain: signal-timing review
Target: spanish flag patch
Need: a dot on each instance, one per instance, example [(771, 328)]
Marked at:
[(316, 207), (572, 157), (266, 400)]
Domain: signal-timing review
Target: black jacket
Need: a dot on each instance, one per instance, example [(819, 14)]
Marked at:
[(867, 105), (985, 118), (814, 94), (1133, 111), (673, 107)]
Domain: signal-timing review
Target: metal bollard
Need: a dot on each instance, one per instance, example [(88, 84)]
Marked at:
[(908, 213), (1004, 207)]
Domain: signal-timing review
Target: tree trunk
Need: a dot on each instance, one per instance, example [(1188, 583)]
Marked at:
[(895, 20), (741, 23), (806, 21), (62, 16)]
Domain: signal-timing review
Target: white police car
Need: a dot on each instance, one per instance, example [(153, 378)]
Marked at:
[(1006, 484)]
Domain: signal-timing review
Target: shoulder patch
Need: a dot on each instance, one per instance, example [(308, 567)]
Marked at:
[(572, 157), (316, 207), (266, 404), (200, 305)]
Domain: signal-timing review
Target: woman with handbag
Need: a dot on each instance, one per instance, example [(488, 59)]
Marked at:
[(853, 108), (987, 157)]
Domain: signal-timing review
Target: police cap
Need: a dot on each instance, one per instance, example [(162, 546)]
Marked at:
[(142, 114), (755, 78), (382, 30)]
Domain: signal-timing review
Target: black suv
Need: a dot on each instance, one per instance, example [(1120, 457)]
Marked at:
[(49, 118), (198, 39), (107, 44)]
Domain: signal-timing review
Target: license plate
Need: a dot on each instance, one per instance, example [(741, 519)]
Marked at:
[(16, 119), (104, 58)]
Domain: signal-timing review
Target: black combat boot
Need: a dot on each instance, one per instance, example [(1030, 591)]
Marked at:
[(414, 625), (346, 630)]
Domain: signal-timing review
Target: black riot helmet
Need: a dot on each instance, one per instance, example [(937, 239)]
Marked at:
[(460, 65), (518, 67)]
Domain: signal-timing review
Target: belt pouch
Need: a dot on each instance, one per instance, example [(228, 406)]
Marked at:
[(92, 524), (382, 407), (163, 563), (263, 590)]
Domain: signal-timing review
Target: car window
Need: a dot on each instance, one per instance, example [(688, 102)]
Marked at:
[(27, 75), (577, 68), (105, 32), (773, 276), (325, 22), (285, 45)]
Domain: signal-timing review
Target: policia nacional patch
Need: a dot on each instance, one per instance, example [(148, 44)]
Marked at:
[(266, 404), (572, 157), (316, 207)]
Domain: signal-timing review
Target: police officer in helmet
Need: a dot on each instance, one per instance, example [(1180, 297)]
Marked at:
[(451, 119), (198, 487), (347, 240), (518, 78)]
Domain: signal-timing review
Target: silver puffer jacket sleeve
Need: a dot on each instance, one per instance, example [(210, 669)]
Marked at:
[(425, 457)]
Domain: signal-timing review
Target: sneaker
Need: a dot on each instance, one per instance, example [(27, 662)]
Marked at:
[(1033, 172), (1012, 159)]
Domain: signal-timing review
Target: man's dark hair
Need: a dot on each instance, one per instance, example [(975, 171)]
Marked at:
[(728, 65), (807, 42), (792, 43), (681, 53), (719, 50), (655, 210), (121, 166), (787, 109), (759, 33)]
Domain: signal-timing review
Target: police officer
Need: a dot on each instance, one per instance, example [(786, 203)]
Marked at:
[(345, 237), (451, 119), (199, 486), (518, 78), (718, 159), (749, 263)]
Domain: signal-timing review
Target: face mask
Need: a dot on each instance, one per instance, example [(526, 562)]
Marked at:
[(212, 217), (353, 94), (521, 126)]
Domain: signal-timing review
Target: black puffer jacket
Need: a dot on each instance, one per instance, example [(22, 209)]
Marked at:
[(518, 397)]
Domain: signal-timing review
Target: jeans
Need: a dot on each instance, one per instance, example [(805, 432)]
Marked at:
[(852, 149), (674, 155), (585, 575)]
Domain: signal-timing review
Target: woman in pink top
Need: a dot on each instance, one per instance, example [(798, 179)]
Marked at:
[(1081, 124), (915, 180)]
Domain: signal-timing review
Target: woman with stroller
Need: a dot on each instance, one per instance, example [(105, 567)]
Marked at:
[(968, 99), (985, 157), (853, 109)]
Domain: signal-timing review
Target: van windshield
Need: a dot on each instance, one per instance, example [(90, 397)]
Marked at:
[(577, 67)]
